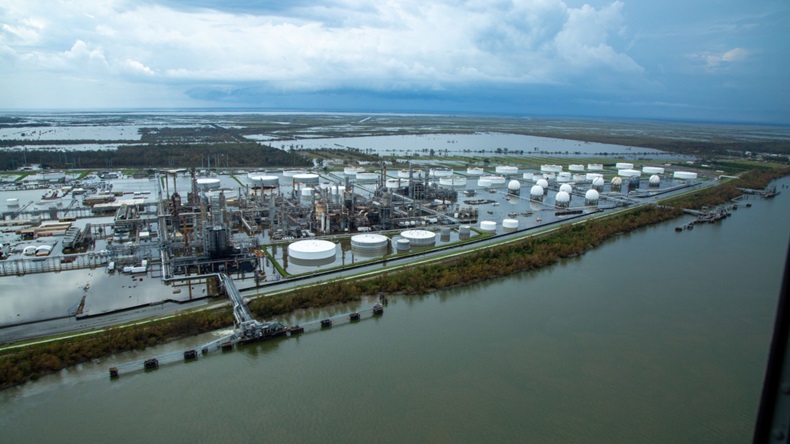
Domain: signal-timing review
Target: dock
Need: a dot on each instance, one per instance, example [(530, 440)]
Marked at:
[(246, 330)]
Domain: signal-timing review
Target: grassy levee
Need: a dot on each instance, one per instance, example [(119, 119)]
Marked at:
[(19, 365)]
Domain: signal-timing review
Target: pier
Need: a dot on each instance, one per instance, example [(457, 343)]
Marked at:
[(246, 329)]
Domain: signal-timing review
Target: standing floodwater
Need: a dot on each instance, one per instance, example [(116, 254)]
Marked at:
[(656, 336)]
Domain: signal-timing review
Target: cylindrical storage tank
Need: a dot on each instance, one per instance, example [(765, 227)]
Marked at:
[(528, 176), (269, 181), (403, 244), (12, 202), (617, 184), (495, 180), (310, 250), (514, 187), (567, 188), (549, 176), (544, 184), (562, 199), (30, 250), (292, 173), (654, 180), (595, 166), (551, 168), (452, 181), (306, 178), (395, 183), (684, 175), (445, 232), (464, 230), (506, 169), (510, 223), (43, 250), (488, 225), (591, 197), (592, 176), (483, 182), (475, 171), (307, 192), (441, 172), (255, 178), (367, 177), (597, 183), (575, 167), (419, 238), (629, 173), (369, 241), (416, 173), (579, 177), (536, 192), (352, 170), (652, 170), (564, 177), (208, 184), (624, 166)]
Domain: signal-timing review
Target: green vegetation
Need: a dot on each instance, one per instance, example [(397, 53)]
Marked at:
[(135, 157), (756, 179)]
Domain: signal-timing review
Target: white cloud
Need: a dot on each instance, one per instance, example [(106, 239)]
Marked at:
[(405, 44), (714, 61)]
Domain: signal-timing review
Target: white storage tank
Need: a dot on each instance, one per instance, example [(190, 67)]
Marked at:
[(514, 187), (652, 170), (488, 226), (506, 169), (402, 244), (563, 199), (369, 241), (629, 172), (306, 178), (567, 188), (597, 183), (307, 192), (549, 176), (310, 250), (551, 168), (624, 166), (510, 224), (353, 170), (367, 177), (579, 177), (464, 230), (617, 184), (495, 180), (592, 176), (483, 182), (419, 238), (654, 180), (12, 202), (536, 192), (595, 166), (441, 172), (575, 167), (292, 173), (396, 183), (416, 173), (452, 181), (543, 183), (208, 184), (684, 175), (528, 176), (591, 197), (475, 171), (564, 177)]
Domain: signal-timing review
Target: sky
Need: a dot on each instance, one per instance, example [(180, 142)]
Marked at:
[(710, 60)]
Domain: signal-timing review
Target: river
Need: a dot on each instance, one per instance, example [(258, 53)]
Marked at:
[(655, 336)]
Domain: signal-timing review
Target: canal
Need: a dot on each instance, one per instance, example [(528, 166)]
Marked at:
[(655, 336)]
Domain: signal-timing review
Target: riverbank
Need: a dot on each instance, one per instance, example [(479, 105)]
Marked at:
[(20, 365)]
